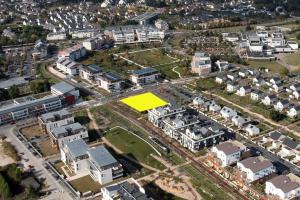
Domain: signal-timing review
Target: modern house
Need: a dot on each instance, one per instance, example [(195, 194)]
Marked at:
[(157, 115), (255, 168), (110, 82), (228, 152), (95, 161), (281, 105), (294, 111), (201, 63), (61, 135), (51, 120), (68, 66), (284, 187), (73, 53), (256, 95), (144, 76), (269, 100), (227, 113), (90, 72)]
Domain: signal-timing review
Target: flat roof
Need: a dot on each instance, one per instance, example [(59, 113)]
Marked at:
[(101, 156), (148, 70), (143, 102), (77, 148), (13, 81), (62, 87)]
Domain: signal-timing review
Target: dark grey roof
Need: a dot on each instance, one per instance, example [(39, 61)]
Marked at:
[(111, 77), (64, 129), (284, 183), (94, 68), (290, 143), (60, 113), (101, 157), (62, 87), (13, 81), (129, 191), (77, 148), (145, 71), (275, 135)]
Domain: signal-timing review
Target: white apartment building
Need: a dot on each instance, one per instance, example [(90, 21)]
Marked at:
[(201, 63), (255, 168), (157, 115), (284, 187), (229, 152), (56, 36), (96, 161), (61, 135), (63, 88), (90, 72), (110, 82), (161, 24), (51, 120), (144, 76), (68, 66), (73, 53)]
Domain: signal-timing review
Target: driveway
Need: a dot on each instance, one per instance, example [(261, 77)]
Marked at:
[(40, 172)]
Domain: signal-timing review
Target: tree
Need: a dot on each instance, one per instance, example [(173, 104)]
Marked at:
[(4, 188), (38, 86), (298, 36), (276, 116), (14, 173), (31, 193), (13, 91)]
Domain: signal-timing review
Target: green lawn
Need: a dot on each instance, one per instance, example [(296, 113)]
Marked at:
[(43, 73), (175, 158), (85, 184), (150, 58), (133, 146), (206, 188), (292, 59), (273, 66)]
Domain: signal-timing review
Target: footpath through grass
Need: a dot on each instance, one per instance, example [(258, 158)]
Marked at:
[(133, 146), (206, 188)]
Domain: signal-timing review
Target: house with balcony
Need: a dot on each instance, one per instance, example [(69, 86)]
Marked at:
[(228, 152), (94, 161), (110, 82), (157, 115), (90, 72), (201, 63), (51, 120), (255, 168), (59, 136), (145, 76)]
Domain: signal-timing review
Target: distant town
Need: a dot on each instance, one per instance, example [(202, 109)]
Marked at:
[(150, 99)]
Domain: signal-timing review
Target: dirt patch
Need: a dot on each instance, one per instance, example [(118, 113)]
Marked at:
[(46, 148), (32, 131), (5, 159)]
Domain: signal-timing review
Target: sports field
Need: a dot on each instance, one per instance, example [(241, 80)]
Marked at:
[(143, 102)]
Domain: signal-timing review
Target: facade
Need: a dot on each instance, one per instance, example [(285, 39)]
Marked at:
[(144, 76), (157, 115), (63, 88), (228, 152), (281, 105), (95, 161), (86, 33), (90, 72), (201, 63), (56, 36), (110, 82), (67, 66), (73, 53), (252, 130), (162, 25), (284, 187), (294, 111), (255, 168), (51, 120), (40, 50), (97, 43), (227, 113), (269, 100), (60, 136), (243, 91)]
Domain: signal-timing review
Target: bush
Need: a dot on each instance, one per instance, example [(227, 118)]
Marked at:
[(4, 188), (14, 173), (10, 150), (276, 116)]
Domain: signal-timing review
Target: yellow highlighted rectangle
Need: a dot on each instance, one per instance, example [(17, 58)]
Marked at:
[(143, 102)]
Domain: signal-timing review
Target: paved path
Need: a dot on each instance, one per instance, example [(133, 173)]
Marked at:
[(174, 70), (255, 114)]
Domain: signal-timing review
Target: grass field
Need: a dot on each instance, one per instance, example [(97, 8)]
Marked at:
[(206, 188), (133, 146), (292, 59), (143, 102), (273, 66), (150, 58), (41, 70)]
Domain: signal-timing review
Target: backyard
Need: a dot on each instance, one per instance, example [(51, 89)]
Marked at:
[(133, 146), (85, 184)]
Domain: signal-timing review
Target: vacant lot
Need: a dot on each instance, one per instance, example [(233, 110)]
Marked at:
[(133, 146), (273, 66), (46, 148), (32, 131), (206, 188), (86, 184)]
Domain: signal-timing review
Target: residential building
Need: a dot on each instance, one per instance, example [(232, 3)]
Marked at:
[(95, 161), (157, 115), (144, 76), (256, 95), (85, 33), (128, 189), (70, 92), (228, 152), (213, 107), (269, 100), (90, 72), (222, 65), (61, 135), (51, 120), (231, 87), (201, 63), (252, 130), (281, 105), (73, 53), (227, 113), (68, 67), (294, 111), (199, 136), (220, 79), (255, 168), (40, 50), (57, 36), (244, 90), (110, 82), (239, 121), (284, 187)]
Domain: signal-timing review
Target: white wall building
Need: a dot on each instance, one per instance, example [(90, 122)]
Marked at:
[(68, 66), (201, 63), (144, 76), (110, 82)]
